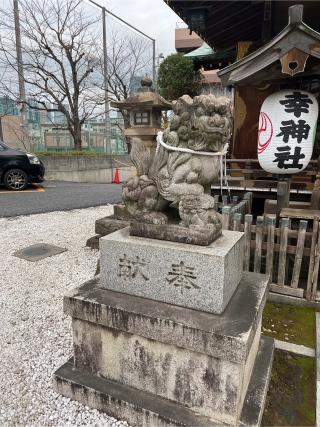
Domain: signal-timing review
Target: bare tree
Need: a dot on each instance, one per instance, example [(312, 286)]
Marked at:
[(128, 58), (59, 54)]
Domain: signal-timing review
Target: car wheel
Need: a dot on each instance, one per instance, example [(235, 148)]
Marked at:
[(15, 179)]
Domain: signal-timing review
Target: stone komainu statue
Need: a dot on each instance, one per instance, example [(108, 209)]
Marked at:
[(183, 167)]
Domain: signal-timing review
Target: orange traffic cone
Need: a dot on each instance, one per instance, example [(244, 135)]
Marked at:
[(116, 179)]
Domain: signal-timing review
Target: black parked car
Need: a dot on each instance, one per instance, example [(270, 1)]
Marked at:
[(18, 169)]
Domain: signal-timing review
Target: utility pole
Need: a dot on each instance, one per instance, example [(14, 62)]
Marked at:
[(22, 90), (154, 75), (106, 83), (105, 67)]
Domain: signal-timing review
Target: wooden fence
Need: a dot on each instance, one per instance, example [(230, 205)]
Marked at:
[(289, 253)]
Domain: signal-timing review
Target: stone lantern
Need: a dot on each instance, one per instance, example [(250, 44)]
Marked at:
[(144, 109)]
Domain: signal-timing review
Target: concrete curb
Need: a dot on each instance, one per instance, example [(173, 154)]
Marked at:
[(295, 348), (288, 299)]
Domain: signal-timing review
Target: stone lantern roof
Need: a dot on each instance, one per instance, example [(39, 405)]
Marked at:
[(146, 96)]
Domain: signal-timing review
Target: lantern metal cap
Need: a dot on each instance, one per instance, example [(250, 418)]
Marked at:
[(146, 82)]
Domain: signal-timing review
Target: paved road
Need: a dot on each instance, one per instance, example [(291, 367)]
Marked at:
[(57, 196)]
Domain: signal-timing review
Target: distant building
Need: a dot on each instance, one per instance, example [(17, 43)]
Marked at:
[(8, 107), (55, 136), (135, 84), (12, 131), (48, 130), (186, 41), (205, 59), (208, 62)]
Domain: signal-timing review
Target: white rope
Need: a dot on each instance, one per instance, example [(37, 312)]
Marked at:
[(188, 150), (222, 154)]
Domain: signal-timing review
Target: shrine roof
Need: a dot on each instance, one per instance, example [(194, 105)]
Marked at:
[(224, 23), (295, 36), (203, 50)]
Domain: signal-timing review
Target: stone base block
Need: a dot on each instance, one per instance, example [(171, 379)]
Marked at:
[(175, 233), (93, 242), (191, 359), (109, 224), (139, 408), (198, 277)]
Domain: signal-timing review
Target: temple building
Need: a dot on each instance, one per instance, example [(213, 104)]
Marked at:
[(276, 46)]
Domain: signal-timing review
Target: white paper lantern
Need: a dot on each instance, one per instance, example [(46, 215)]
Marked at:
[(287, 129)]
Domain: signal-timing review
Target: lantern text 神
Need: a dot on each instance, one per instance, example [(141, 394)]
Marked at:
[(286, 134)]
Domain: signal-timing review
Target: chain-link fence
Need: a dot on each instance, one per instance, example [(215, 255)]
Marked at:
[(43, 122)]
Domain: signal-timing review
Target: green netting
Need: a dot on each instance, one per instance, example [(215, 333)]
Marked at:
[(203, 50)]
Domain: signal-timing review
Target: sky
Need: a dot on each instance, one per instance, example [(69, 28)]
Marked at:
[(153, 17)]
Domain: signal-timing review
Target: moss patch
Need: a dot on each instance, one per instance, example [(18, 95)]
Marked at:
[(289, 323), (291, 399)]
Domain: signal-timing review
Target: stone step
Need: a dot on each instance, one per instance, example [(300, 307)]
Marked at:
[(139, 408)]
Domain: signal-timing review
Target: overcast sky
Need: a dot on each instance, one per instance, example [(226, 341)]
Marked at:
[(153, 17)]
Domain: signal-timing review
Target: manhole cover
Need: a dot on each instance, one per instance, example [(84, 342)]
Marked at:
[(38, 251)]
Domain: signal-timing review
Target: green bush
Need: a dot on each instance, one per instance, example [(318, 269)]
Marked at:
[(177, 77)]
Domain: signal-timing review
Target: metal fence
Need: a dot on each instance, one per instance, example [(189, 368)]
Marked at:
[(40, 130)]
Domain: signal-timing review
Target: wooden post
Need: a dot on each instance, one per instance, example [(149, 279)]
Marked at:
[(316, 268), (284, 226), (247, 230), (216, 202), (237, 221), (283, 195), (299, 254), (271, 224), (226, 213), (314, 240), (258, 248), (315, 197), (224, 200), (248, 197)]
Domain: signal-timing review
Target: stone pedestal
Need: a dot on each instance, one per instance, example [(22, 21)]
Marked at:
[(157, 364), (169, 334), (199, 277)]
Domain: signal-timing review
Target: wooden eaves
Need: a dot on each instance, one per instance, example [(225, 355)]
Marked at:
[(292, 47)]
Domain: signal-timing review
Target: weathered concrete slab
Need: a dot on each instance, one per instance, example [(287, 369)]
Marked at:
[(228, 336), (197, 277), (254, 403), (211, 386), (109, 224), (39, 251), (134, 406), (139, 408), (93, 242), (175, 233), (302, 350)]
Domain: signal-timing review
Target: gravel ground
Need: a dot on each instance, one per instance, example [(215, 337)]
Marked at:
[(35, 336)]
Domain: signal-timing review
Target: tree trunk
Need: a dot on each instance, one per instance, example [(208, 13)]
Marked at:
[(77, 136), (126, 122)]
